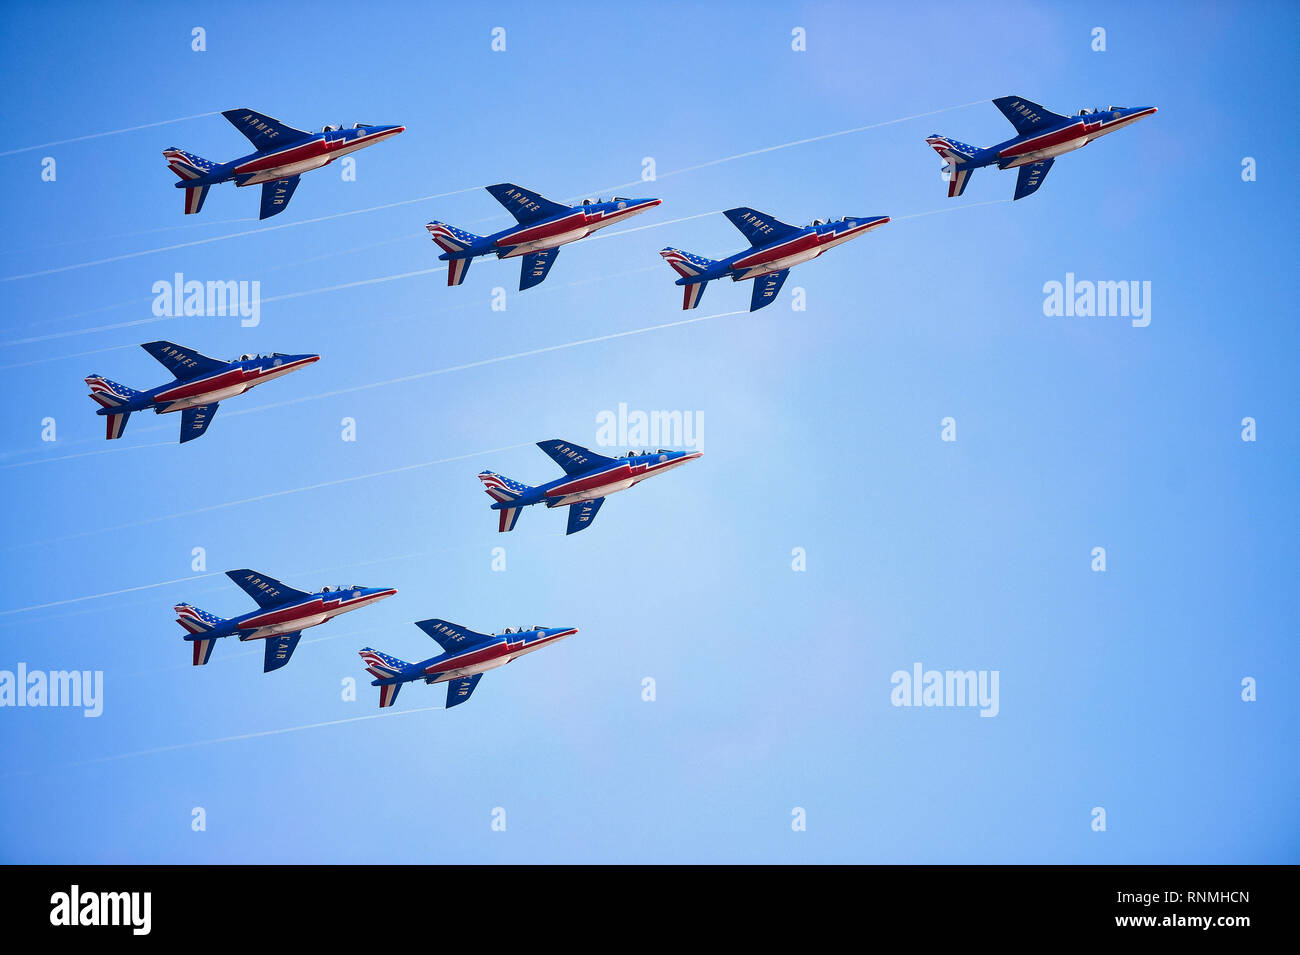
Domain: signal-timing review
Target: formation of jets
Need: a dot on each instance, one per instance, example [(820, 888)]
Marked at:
[(282, 153)]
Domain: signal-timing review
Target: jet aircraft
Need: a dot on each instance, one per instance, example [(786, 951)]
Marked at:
[(282, 155), (200, 384), (543, 226), (588, 479), (466, 656), (282, 614), (774, 246), (1041, 136)]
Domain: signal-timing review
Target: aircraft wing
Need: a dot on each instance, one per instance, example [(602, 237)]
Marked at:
[(766, 288), (574, 458), (524, 204), (1030, 177), (537, 265), (451, 636), (759, 227), (265, 591), (261, 130), (581, 515), (276, 196), (184, 363), (279, 649), (458, 691), (1027, 117), (194, 421)]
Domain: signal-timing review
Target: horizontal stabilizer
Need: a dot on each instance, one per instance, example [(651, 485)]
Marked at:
[(582, 514), (115, 424), (388, 694), (197, 623), (279, 649), (451, 636), (203, 650), (458, 691), (574, 458), (261, 130), (189, 167), (266, 591), (509, 518)]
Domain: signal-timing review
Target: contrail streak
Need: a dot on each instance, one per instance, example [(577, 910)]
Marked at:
[(111, 132), (247, 500), (230, 739), (231, 235)]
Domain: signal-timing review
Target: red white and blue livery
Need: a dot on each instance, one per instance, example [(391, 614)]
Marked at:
[(282, 155), (1041, 136), (200, 384), (281, 616), (774, 248), (466, 656), (543, 226), (588, 479)]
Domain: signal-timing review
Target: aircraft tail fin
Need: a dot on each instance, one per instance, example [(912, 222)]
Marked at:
[(111, 396), (957, 157), (455, 244), (189, 167), (197, 623), (688, 266), (505, 492), (384, 667)]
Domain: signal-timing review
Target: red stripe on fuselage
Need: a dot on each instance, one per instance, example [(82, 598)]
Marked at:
[(594, 480), (1048, 140), (487, 654), (794, 246)]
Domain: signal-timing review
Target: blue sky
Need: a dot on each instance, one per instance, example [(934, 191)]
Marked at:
[(1119, 690)]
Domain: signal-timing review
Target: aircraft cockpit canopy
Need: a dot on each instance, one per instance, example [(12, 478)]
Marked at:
[(332, 128)]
